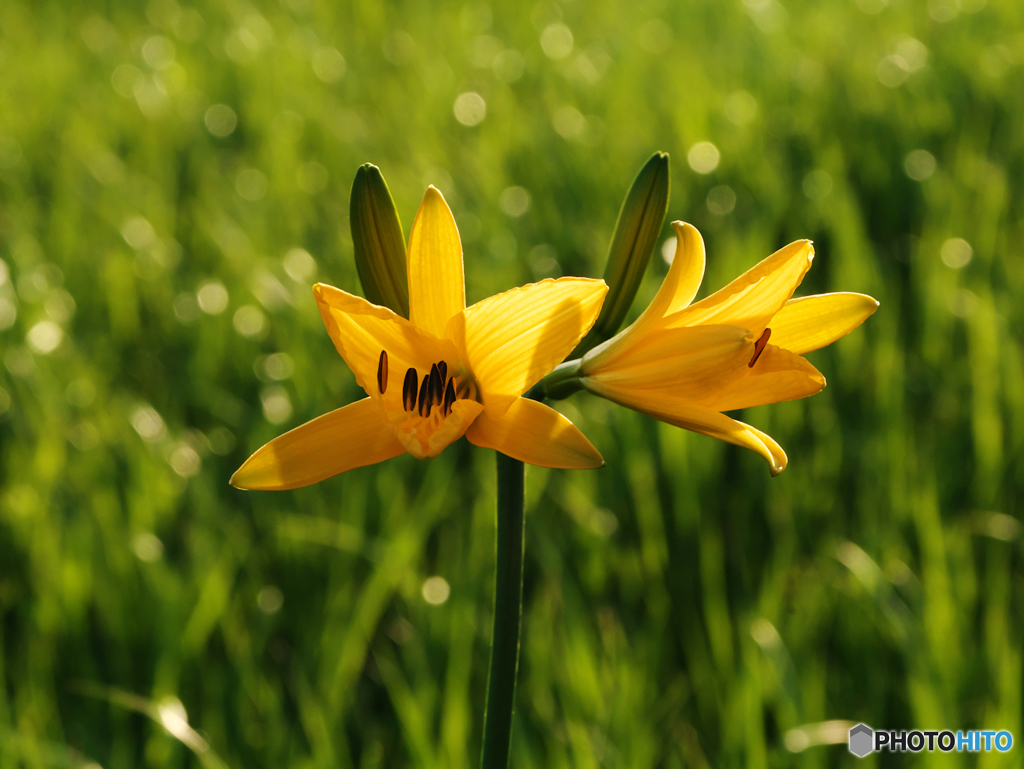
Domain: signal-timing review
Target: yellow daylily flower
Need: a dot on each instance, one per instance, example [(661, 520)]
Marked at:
[(447, 371), (686, 363)]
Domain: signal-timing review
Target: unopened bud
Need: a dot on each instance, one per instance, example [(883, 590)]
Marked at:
[(379, 241), (636, 233)]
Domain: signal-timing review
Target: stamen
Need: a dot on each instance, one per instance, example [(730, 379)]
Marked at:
[(759, 346), (442, 366), (409, 390), (382, 372), (436, 386), (424, 404), (449, 397)]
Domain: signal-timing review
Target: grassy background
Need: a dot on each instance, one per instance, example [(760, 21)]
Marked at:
[(682, 608)]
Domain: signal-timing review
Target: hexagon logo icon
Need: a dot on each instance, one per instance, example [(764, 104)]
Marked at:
[(862, 740)]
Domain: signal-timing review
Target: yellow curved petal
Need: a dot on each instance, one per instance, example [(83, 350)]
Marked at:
[(811, 322), (682, 413), (349, 437), (360, 330), (778, 375), (677, 291), (756, 296), (687, 362), (511, 340), (437, 285), (532, 432)]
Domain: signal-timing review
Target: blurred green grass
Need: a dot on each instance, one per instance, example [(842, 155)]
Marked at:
[(682, 608)]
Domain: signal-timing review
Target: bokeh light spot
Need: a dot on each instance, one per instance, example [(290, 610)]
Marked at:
[(148, 424), (249, 321), (299, 264), (514, 201), (943, 10), (436, 590), (721, 200), (212, 297), (251, 185), (569, 122), (329, 65), (703, 157), (956, 253), (138, 233), (893, 71), (277, 406), (184, 460), (470, 108), (509, 65), (158, 52), (270, 599), (668, 250), (45, 337), (147, 547), (817, 184), (8, 313), (220, 120), (919, 165), (556, 41)]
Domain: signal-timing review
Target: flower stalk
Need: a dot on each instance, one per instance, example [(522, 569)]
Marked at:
[(508, 609), (562, 382)]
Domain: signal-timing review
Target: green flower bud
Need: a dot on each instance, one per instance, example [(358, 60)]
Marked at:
[(636, 234), (379, 241)]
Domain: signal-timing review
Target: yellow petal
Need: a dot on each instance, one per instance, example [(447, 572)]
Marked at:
[(437, 285), (778, 375), (532, 432), (753, 298), (688, 362), (676, 293), (511, 340), (811, 322), (360, 331), (352, 436), (682, 413)]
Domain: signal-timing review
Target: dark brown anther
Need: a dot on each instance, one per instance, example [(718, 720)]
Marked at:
[(424, 404), (382, 372), (409, 390), (449, 397), (436, 386), (759, 346), (443, 368)]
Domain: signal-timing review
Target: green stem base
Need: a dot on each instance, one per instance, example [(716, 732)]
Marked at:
[(508, 609)]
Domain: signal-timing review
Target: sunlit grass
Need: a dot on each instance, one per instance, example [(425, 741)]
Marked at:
[(173, 179)]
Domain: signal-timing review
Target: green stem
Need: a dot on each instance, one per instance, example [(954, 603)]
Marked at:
[(508, 609), (560, 383)]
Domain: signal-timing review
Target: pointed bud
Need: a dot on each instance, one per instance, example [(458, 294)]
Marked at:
[(636, 234), (379, 241)]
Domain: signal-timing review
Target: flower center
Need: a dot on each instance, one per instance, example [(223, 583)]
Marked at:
[(428, 417)]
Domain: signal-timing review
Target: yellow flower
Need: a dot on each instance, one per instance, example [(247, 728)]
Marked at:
[(448, 370), (686, 363)]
